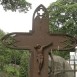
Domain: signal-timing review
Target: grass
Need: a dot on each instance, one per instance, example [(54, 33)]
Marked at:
[(10, 71)]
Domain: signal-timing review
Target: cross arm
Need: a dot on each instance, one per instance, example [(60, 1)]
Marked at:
[(63, 42), (17, 40)]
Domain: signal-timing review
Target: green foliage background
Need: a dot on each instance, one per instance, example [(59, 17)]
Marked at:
[(16, 5), (13, 63), (63, 19)]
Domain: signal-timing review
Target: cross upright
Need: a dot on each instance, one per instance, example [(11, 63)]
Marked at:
[(39, 41)]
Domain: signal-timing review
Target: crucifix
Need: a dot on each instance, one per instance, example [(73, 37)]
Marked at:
[(39, 42)]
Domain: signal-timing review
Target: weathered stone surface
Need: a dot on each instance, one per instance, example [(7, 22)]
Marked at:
[(59, 64)]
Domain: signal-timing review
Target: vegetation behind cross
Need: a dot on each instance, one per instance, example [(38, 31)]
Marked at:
[(39, 41)]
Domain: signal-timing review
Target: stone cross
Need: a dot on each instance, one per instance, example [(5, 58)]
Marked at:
[(39, 42)]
